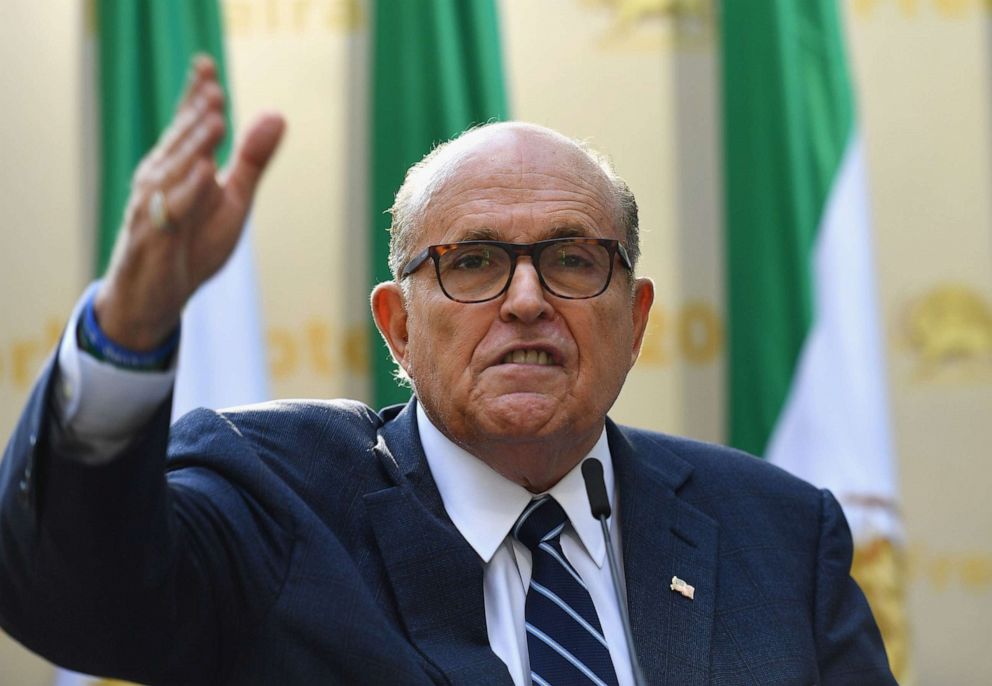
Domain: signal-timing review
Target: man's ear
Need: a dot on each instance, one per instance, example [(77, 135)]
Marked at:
[(389, 313), (640, 310)]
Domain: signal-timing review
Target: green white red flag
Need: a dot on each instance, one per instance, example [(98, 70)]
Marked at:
[(806, 371)]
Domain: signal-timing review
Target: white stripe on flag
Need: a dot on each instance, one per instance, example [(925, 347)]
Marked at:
[(834, 430), (221, 354)]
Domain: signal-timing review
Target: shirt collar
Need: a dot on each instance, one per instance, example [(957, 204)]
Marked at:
[(484, 505)]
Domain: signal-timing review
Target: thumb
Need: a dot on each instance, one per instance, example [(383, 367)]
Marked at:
[(254, 153)]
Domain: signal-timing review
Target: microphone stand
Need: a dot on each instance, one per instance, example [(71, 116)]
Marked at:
[(599, 505)]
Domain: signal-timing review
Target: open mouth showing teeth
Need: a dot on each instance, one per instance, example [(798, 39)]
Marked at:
[(538, 357)]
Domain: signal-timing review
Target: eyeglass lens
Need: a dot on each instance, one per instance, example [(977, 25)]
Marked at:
[(569, 269)]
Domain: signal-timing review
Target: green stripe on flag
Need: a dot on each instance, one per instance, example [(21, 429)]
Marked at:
[(145, 51), (145, 47), (437, 70), (788, 114)]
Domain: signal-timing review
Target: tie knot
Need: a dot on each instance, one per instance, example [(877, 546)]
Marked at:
[(542, 520)]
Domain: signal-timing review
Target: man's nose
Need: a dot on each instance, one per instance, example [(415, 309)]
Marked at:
[(525, 299)]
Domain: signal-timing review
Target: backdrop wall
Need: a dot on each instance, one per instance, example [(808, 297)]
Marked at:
[(640, 81)]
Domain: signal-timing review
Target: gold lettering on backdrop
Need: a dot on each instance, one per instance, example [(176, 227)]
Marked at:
[(301, 10), (941, 570), (938, 572), (317, 348), (318, 340), (976, 572), (653, 352), (910, 9), (283, 357), (953, 8), (700, 333), (863, 8), (948, 332), (649, 25), (345, 15), (244, 17), (356, 349), (272, 13), (909, 6), (694, 332), (237, 16), (21, 358)]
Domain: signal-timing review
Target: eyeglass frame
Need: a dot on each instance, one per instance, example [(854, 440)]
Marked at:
[(516, 250)]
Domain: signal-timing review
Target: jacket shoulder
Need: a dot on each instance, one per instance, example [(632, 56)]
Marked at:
[(717, 469), (287, 422), (309, 446), (754, 502)]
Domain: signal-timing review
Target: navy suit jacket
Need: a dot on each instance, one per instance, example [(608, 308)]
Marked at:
[(306, 542)]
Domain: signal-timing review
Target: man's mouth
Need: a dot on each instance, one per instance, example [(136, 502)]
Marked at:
[(528, 356)]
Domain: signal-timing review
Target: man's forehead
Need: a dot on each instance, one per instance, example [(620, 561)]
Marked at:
[(510, 159), (513, 144)]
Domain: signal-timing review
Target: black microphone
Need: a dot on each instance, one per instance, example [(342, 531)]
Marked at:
[(599, 505)]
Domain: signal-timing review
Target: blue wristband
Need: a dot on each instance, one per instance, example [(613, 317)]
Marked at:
[(95, 342)]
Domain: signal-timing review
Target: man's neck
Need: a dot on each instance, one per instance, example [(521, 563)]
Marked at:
[(536, 465), (484, 504)]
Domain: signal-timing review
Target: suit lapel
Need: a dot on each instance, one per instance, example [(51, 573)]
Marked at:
[(663, 536), (436, 576)]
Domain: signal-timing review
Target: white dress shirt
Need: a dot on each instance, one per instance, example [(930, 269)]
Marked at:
[(484, 505), (99, 408)]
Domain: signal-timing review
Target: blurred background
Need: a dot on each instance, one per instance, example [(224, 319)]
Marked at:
[(652, 83)]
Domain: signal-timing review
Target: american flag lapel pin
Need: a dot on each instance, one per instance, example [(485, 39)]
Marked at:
[(682, 587)]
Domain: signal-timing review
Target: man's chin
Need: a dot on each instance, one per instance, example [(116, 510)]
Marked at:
[(522, 415)]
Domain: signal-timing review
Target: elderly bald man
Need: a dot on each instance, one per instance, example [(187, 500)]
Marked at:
[(445, 541)]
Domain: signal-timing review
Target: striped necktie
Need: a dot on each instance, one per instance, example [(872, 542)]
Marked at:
[(564, 638)]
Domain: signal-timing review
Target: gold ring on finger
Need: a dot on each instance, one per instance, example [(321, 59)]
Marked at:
[(158, 212)]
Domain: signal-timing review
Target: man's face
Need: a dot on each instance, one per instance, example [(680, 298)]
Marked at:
[(528, 365)]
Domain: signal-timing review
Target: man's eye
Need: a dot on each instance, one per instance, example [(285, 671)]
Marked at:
[(571, 259), (479, 259)]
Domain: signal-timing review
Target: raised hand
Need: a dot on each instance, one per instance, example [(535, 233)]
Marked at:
[(183, 218)]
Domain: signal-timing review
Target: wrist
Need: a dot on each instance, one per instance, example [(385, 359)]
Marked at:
[(92, 338)]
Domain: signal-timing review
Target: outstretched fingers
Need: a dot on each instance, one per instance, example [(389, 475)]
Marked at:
[(198, 144), (197, 195), (203, 97), (202, 69), (252, 156)]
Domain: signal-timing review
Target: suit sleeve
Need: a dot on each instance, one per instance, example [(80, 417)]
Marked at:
[(98, 406), (115, 569), (849, 645)]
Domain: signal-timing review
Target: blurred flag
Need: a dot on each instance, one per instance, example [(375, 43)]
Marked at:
[(806, 373), (145, 47), (437, 70)]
